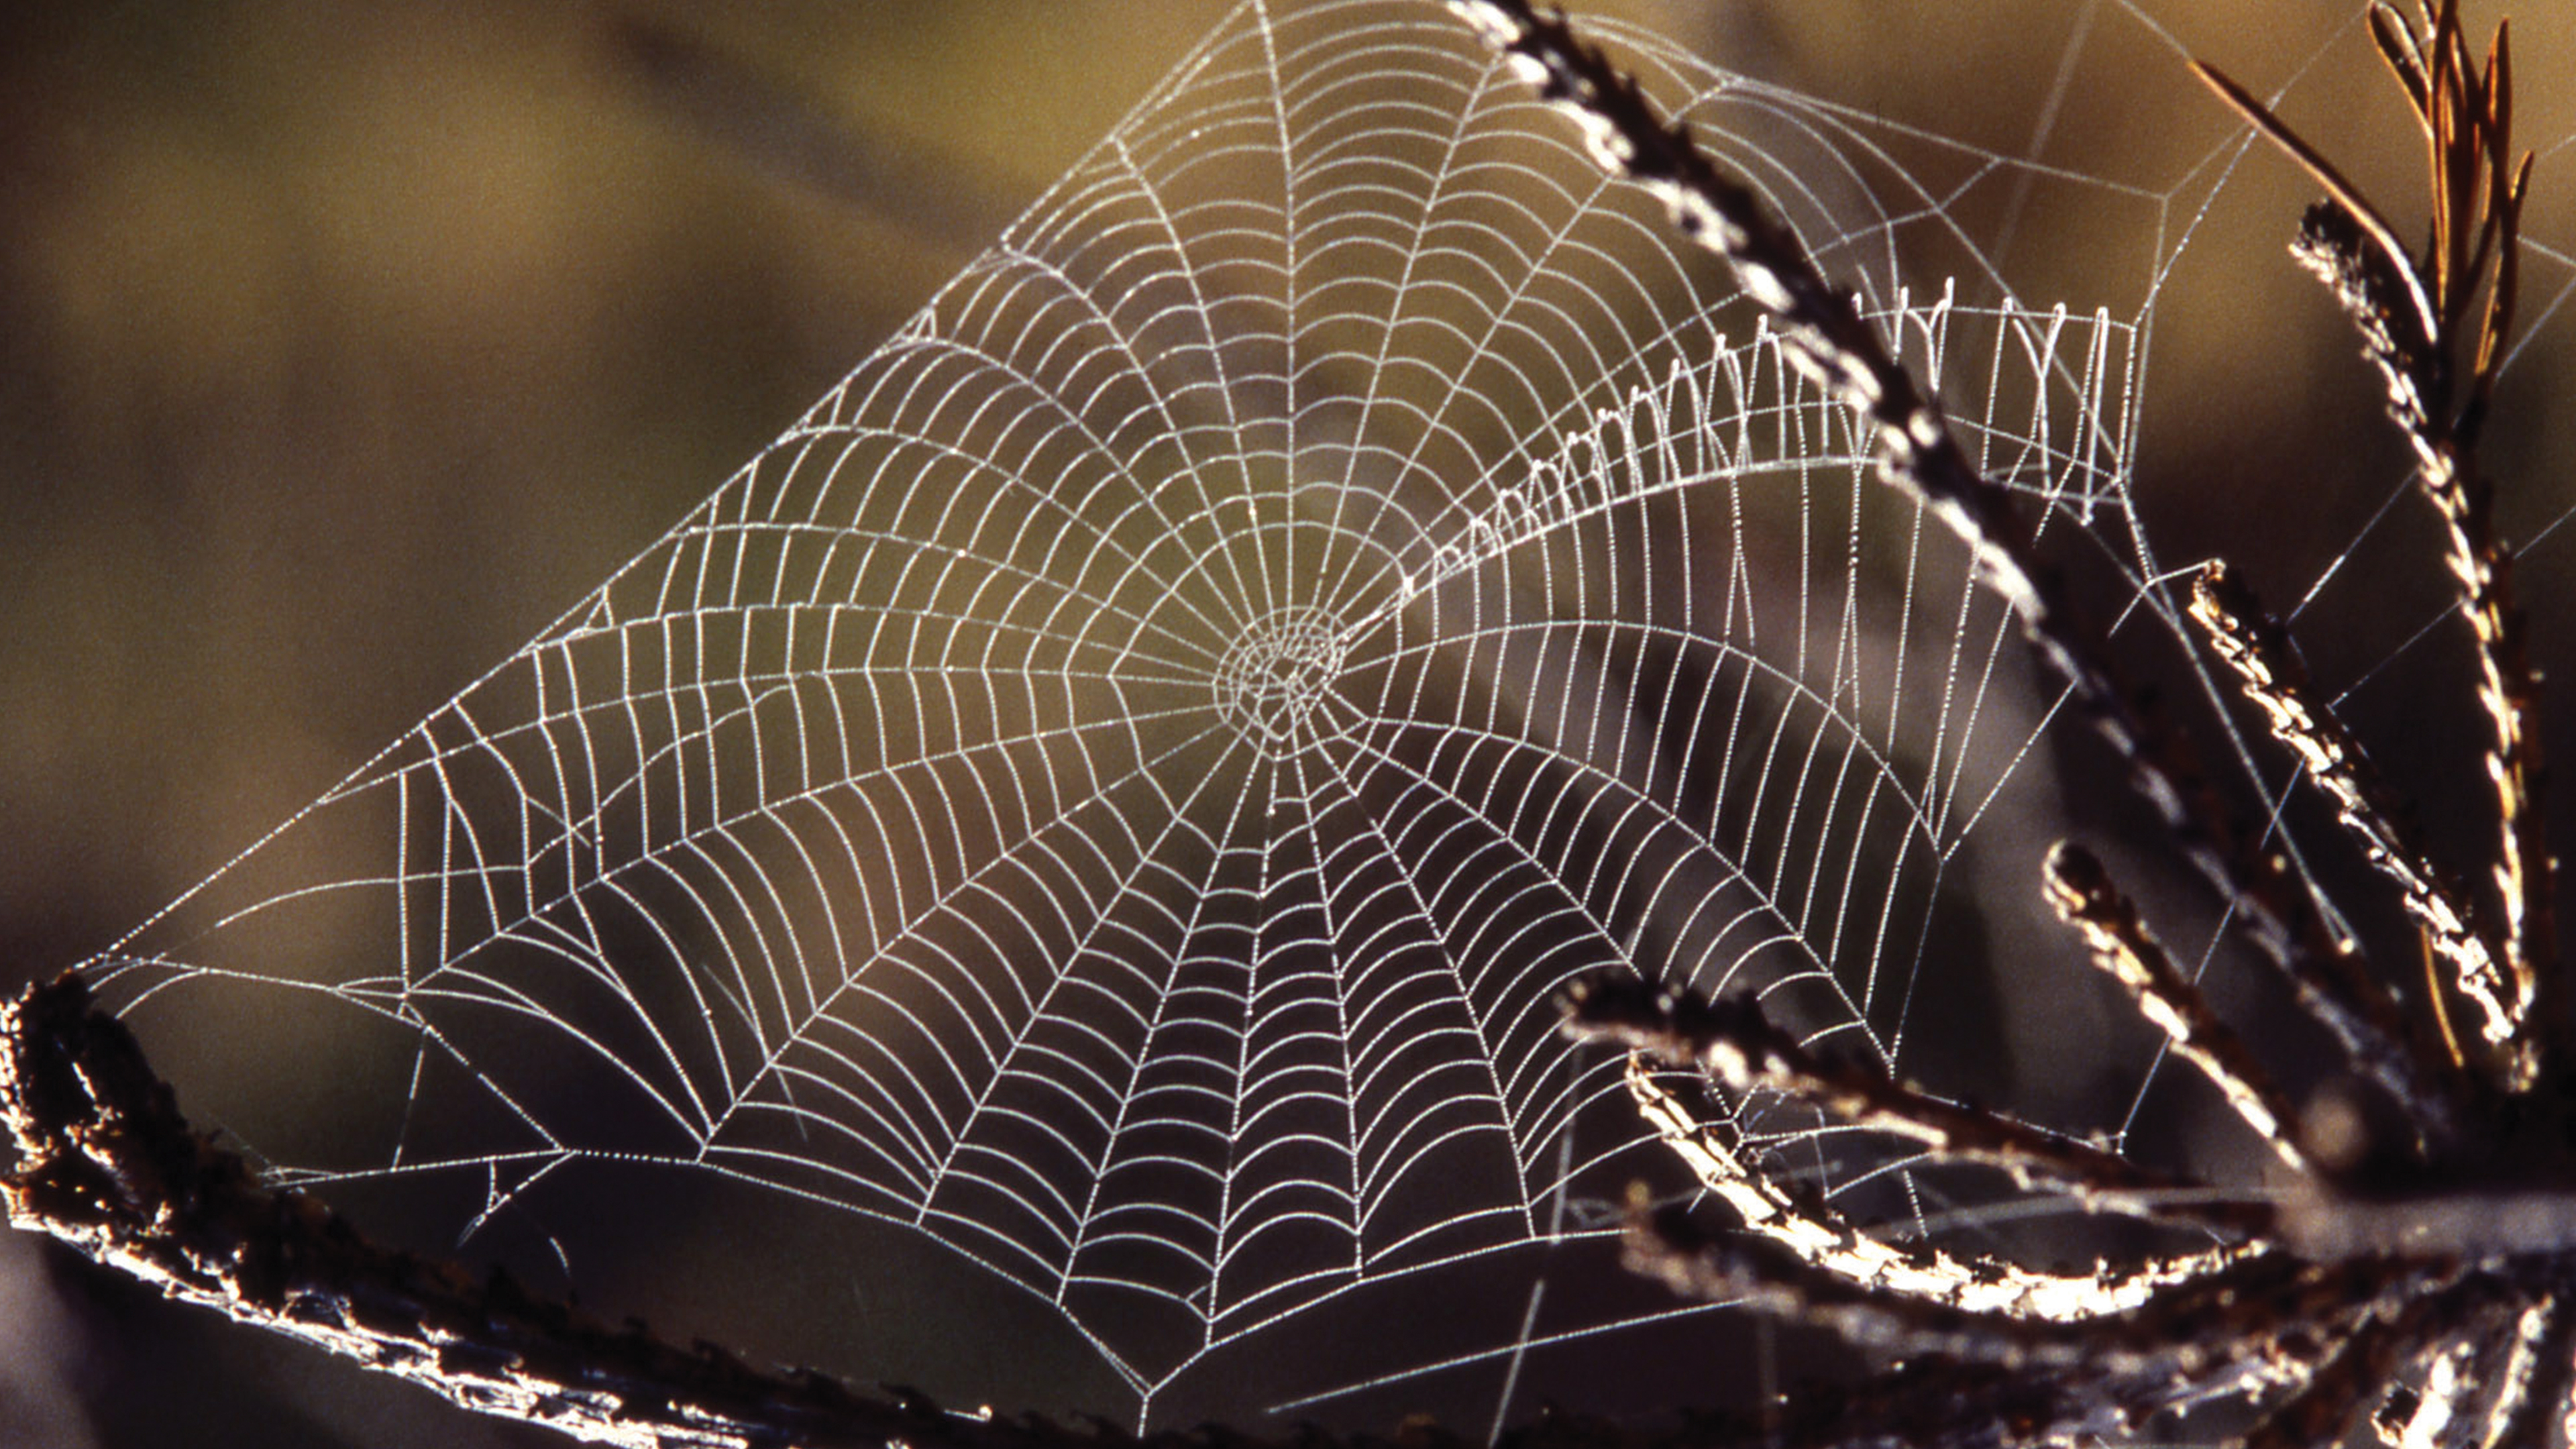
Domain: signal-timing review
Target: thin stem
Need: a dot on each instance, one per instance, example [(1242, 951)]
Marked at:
[(1818, 1236), (103, 1161), (1739, 1048), (2252, 644), (2184, 1331), (2082, 891)]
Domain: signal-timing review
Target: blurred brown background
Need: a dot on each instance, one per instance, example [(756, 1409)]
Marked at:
[(344, 345)]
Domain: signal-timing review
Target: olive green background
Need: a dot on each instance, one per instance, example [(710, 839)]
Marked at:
[(344, 345)]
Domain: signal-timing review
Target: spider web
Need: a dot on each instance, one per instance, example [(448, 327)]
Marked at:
[(1074, 846)]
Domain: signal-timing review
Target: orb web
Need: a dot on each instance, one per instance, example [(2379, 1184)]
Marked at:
[(1081, 836)]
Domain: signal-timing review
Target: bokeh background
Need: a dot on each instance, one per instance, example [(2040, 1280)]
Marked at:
[(343, 345)]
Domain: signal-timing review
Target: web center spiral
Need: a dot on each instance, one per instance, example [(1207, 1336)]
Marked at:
[(1270, 683)]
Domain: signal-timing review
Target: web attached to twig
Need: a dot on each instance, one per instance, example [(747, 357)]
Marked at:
[(1087, 828)]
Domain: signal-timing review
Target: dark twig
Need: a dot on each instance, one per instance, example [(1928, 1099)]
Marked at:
[(2252, 644), (104, 1161), (2354, 1379), (2084, 895), (2181, 1331), (2531, 1392), (1807, 1227), (2428, 1404), (1738, 1047)]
